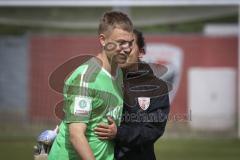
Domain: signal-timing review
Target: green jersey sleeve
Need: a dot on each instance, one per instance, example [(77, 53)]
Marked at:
[(77, 97)]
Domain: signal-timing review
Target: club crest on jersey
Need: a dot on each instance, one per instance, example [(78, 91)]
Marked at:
[(144, 102), (82, 105)]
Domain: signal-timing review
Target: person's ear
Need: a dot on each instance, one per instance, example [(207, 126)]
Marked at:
[(102, 39), (141, 53)]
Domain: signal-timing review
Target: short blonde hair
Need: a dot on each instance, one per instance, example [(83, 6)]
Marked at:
[(114, 19)]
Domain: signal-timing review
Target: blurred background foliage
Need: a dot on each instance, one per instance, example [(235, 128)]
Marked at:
[(84, 20)]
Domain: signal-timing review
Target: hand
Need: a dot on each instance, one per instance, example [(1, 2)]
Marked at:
[(106, 132)]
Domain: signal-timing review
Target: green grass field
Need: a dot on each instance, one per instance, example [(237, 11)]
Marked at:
[(166, 149), (197, 149)]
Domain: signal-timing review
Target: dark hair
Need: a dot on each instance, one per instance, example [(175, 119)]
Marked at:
[(139, 39), (114, 19)]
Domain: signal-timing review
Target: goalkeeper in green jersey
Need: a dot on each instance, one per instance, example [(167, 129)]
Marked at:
[(93, 92)]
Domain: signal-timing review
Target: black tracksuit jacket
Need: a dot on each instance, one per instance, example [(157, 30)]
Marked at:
[(140, 128)]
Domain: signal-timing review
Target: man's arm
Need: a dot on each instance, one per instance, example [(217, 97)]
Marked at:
[(79, 141)]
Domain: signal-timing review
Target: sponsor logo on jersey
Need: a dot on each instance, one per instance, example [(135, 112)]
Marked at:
[(82, 105), (144, 102)]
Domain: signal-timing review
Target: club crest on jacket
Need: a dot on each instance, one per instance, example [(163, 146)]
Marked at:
[(144, 102)]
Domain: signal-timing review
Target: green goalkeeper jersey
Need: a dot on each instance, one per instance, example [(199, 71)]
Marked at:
[(90, 95)]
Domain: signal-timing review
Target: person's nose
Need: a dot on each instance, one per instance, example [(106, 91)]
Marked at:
[(127, 50)]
